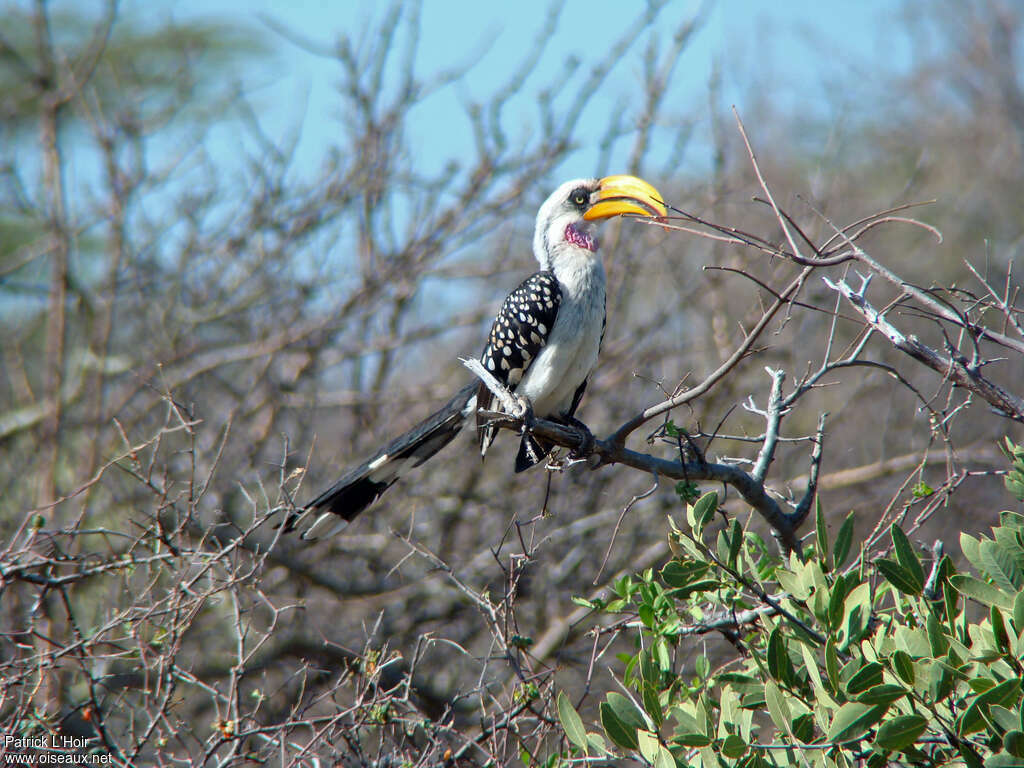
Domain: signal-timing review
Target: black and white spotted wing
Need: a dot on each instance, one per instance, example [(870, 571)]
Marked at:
[(517, 336)]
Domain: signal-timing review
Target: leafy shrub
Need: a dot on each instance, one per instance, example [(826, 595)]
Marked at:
[(843, 657)]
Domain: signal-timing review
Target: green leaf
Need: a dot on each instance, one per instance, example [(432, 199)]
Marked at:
[(970, 547), (803, 728), (738, 680), (853, 720), (1006, 719), (662, 656), (1014, 485), (857, 614), (680, 574), (753, 700), (832, 664), (821, 531), (866, 677), (779, 665), (649, 671), (906, 556), (937, 639), (950, 601), (596, 743), (973, 719), (1008, 519), (999, 564), (704, 510), (697, 587), (843, 540), (941, 682), (811, 667), (982, 591), (792, 583), (648, 745), (664, 758), (899, 577), (970, 756), (626, 710), (692, 740), (1014, 479), (922, 490), (1018, 613), (735, 542), (1005, 694), (620, 733), (1013, 742), (882, 694), (1004, 760), (999, 634), (702, 666), (722, 545), (981, 684), (778, 707), (733, 746), (646, 614), (904, 666), (571, 722), (1010, 538), (836, 597), (900, 732), (651, 703), (687, 492)]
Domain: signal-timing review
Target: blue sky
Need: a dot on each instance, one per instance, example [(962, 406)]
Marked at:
[(794, 52), (806, 57), (802, 55)]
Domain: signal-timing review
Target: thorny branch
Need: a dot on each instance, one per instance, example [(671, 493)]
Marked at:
[(952, 365)]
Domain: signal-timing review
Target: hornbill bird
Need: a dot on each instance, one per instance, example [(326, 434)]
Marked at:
[(543, 346)]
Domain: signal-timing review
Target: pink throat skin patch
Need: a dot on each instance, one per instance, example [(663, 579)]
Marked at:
[(580, 239)]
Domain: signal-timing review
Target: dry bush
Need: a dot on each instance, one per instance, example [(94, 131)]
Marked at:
[(192, 351)]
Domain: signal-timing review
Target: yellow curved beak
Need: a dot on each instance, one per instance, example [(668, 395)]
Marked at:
[(625, 194)]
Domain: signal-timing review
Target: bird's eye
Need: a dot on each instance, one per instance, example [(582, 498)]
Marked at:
[(579, 197)]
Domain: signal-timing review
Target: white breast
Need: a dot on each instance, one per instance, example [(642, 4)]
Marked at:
[(572, 348)]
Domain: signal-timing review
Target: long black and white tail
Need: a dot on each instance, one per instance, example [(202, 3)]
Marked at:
[(362, 485)]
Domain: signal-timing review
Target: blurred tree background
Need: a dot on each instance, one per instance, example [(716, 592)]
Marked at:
[(191, 340)]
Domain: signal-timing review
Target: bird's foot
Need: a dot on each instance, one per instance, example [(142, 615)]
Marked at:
[(696, 452), (524, 411), (687, 445), (586, 446)]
